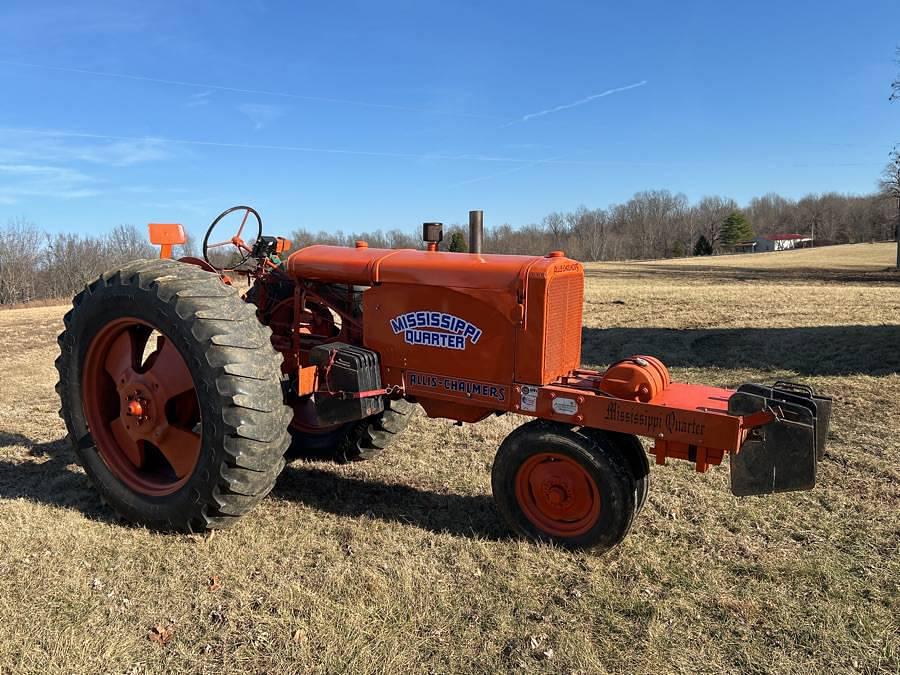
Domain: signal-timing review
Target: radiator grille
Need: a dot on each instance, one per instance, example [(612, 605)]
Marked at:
[(562, 325)]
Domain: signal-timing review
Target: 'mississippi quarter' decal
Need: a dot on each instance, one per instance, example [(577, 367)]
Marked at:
[(651, 424), (435, 329)]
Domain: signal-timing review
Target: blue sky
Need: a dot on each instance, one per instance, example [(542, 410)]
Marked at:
[(364, 115)]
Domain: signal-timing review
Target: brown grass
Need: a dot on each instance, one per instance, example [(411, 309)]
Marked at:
[(860, 263), (400, 564), (46, 302), (874, 257)]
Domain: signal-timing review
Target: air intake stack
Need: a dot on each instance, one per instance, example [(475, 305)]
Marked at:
[(433, 234), (476, 231)]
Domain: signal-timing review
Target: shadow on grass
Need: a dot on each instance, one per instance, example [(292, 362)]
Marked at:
[(460, 515), (819, 350), (50, 480)]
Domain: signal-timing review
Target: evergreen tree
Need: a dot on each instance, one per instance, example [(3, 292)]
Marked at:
[(703, 247), (736, 228), (678, 250), (458, 243)]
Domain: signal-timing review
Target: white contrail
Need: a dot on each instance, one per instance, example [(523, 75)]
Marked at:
[(240, 90), (575, 104)]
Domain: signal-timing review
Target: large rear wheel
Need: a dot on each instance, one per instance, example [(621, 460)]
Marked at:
[(171, 394)]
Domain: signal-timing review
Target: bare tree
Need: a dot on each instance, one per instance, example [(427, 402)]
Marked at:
[(188, 249), (772, 213), (708, 215), (589, 233), (556, 224), (72, 261), (890, 188), (895, 85), (890, 177), (20, 251), (835, 220), (811, 212), (127, 242)]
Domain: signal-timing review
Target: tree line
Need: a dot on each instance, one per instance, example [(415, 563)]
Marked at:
[(36, 265), (659, 224)]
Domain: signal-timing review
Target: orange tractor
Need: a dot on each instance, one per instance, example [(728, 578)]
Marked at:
[(183, 383)]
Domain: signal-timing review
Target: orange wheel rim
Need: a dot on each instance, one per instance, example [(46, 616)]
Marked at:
[(557, 494), (143, 414)]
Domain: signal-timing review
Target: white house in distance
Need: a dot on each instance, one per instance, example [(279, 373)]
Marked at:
[(775, 242)]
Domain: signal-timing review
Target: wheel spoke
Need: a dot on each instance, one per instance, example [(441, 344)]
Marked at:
[(121, 359), (169, 371), (130, 447), (243, 222), (180, 448)]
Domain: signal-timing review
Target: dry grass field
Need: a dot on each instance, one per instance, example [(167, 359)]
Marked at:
[(401, 565)]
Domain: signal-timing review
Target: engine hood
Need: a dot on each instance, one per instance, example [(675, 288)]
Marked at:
[(374, 266)]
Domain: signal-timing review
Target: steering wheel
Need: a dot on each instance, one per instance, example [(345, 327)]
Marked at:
[(245, 251)]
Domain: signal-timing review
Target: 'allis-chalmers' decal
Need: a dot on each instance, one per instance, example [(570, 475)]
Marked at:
[(670, 422), (455, 385), (435, 329)]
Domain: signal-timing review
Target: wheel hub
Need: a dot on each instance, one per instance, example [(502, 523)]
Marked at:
[(553, 483), (138, 408), (143, 414), (557, 494)]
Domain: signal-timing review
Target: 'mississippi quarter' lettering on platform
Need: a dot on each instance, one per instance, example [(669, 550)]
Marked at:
[(649, 422), (682, 426), (671, 422)]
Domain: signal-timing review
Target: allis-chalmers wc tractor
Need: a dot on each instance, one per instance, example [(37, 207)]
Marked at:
[(181, 393)]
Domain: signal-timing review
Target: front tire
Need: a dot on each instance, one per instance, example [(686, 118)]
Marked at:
[(554, 484), (192, 436), (629, 446)]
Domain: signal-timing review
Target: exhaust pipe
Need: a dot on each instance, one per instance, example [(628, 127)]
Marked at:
[(476, 231)]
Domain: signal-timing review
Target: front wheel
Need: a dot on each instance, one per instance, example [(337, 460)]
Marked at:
[(552, 483)]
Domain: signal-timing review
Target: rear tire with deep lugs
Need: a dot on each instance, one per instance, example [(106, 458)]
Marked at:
[(186, 433)]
